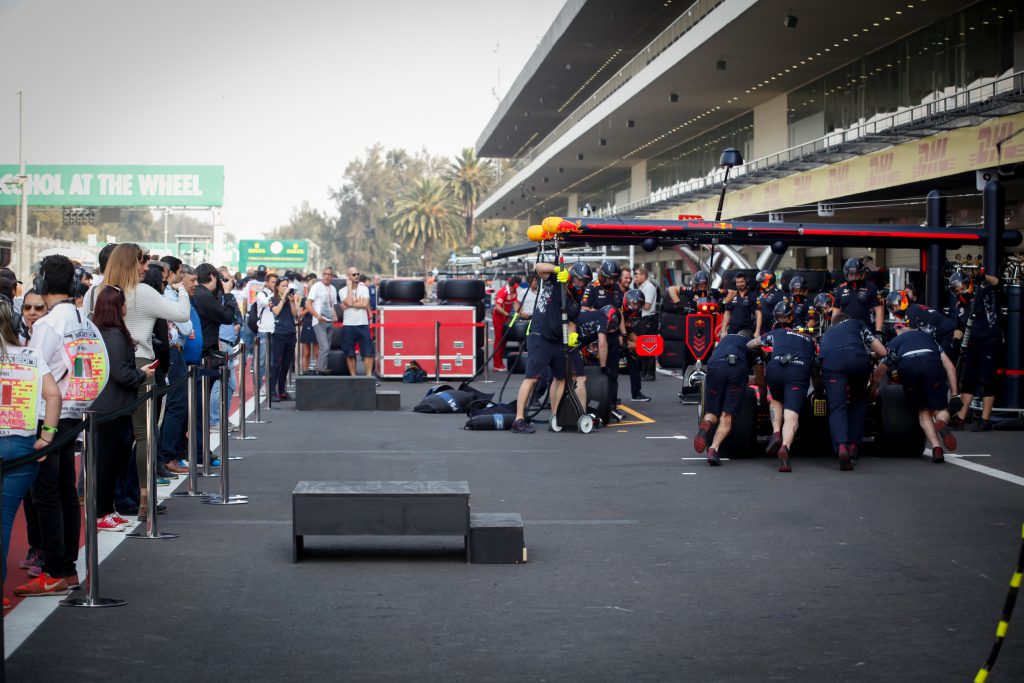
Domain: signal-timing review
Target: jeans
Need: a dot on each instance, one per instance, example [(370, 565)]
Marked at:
[(283, 348), (56, 500), (16, 483), (323, 340), (232, 387), (175, 424)]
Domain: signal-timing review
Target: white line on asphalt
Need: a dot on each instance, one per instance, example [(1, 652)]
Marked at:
[(990, 471), (702, 458), (24, 619), (667, 437), (689, 474)]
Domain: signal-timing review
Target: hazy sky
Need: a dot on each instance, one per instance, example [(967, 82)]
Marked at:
[(282, 94)]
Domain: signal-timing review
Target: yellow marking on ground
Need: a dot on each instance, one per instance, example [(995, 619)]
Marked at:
[(641, 418), (622, 431)]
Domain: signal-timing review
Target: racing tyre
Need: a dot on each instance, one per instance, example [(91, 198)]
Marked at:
[(335, 339), (516, 332), (336, 364), (405, 291), (899, 431), (742, 440), (460, 291)]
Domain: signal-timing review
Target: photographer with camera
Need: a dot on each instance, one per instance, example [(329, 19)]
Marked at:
[(285, 308), (355, 306)]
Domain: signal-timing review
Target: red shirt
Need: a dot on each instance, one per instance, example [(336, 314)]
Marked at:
[(505, 299)]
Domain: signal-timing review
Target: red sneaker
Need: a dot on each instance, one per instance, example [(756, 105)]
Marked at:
[(784, 460), (845, 463), (713, 458), (946, 434), (937, 456), (44, 585), (700, 442), (774, 444)]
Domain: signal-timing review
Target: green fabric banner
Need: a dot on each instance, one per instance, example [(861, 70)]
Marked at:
[(278, 255), (63, 185)]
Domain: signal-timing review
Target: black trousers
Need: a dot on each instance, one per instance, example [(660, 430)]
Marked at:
[(113, 453), (55, 496), (846, 380), (613, 373), (282, 355)]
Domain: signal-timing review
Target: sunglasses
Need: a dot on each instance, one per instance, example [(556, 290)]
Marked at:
[(33, 307), (353, 274), (143, 258)]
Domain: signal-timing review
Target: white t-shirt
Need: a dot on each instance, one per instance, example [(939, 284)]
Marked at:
[(527, 300), (21, 391), (324, 297), (650, 297), (356, 316), (71, 346), (265, 317)]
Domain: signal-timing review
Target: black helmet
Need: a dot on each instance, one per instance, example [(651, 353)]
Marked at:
[(897, 302), (960, 282), (853, 266), (822, 303), (580, 271), (608, 273), (783, 311), (797, 284), (701, 278), (766, 279), (613, 316), (634, 300)]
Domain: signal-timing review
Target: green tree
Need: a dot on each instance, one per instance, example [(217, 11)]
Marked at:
[(427, 217), (469, 179)]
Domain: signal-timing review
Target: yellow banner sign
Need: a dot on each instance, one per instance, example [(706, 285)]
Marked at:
[(956, 151)]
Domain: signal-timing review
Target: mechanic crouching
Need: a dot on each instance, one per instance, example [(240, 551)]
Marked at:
[(725, 384), (846, 371), (791, 357), (927, 375)]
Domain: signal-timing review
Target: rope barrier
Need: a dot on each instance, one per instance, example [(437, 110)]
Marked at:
[(1004, 621), (65, 437)]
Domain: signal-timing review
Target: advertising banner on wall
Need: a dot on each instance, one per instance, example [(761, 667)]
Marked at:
[(64, 185), (277, 255)]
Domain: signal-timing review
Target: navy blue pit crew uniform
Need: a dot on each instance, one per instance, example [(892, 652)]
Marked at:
[(742, 312), (846, 370), (857, 299), (788, 373), (940, 326), (768, 299), (545, 338), (597, 297), (981, 357), (727, 372), (804, 314), (917, 360)]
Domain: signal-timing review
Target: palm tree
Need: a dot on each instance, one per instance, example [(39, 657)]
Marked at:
[(469, 178), (427, 216)]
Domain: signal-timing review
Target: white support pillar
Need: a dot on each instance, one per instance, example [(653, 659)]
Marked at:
[(574, 207), (638, 181)]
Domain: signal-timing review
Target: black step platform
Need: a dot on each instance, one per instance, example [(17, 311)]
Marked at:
[(496, 538), (326, 392), (379, 508)]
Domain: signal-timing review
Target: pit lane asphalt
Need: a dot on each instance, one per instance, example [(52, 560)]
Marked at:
[(643, 565)]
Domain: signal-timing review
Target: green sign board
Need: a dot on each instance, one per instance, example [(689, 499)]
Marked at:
[(274, 254), (114, 185)]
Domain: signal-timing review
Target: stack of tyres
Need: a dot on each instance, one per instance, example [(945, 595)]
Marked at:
[(673, 332), (467, 293), (336, 364), (407, 292)]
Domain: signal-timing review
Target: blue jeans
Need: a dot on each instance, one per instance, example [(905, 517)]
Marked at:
[(171, 445), (232, 387), (16, 483)]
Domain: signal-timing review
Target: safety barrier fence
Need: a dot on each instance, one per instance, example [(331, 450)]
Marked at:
[(197, 383)]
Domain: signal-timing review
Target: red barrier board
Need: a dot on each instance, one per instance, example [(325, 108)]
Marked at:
[(410, 333)]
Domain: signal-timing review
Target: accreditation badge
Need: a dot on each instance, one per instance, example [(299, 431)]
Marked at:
[(86, 358), (19, 393)]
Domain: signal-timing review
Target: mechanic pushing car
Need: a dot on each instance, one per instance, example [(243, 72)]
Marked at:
[(791, 357), (846, 369), (725, 385)]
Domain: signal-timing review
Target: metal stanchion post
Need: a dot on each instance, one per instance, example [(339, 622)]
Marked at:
[(257, 383), (193, 463), (225, 497), (241, 435), (151, 531), (204, 422), (487, 354), (437, 350), (269, 376), (92, 562)]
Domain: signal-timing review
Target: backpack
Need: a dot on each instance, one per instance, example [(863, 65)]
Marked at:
[(252, 318)]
